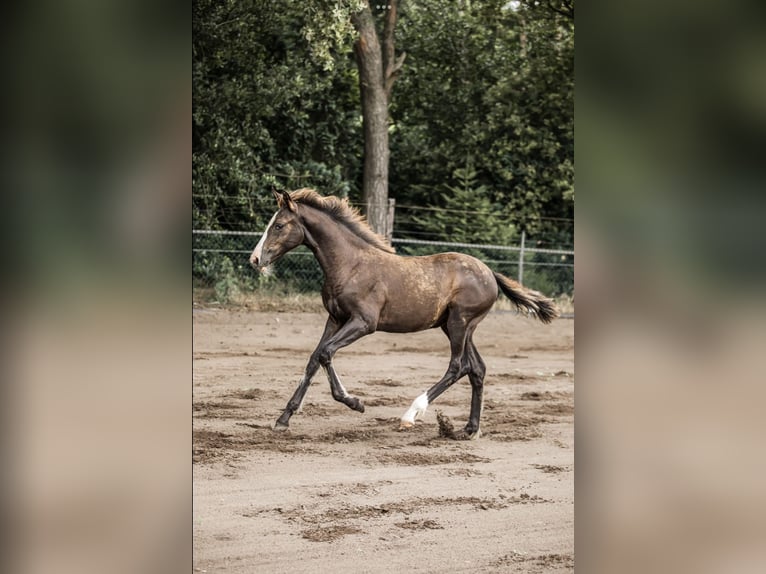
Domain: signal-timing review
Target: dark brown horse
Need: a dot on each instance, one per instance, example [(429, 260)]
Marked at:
[(369, 288)]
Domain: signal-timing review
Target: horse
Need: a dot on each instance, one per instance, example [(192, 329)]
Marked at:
[(368, 287)]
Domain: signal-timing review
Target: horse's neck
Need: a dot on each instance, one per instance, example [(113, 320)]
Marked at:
[(336, 247)]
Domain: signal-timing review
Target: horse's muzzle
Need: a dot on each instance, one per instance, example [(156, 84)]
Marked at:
[(259, 262), (259, 265)]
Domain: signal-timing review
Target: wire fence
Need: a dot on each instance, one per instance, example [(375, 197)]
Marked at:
[(221, 269)]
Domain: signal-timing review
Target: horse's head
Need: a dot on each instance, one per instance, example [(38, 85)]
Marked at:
[(283, 233)]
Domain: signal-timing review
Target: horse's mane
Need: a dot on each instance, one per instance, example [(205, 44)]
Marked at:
[(343, 213)]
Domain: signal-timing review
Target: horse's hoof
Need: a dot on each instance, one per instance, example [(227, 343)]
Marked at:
[(280, 427), (405, 425), (469, 434), (359, 406)]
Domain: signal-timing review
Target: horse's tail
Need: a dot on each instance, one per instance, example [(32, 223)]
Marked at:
[(528, 300)]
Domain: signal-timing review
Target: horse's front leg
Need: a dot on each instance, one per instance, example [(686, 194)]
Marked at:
[(294, 404), (354, 329), (339, 392)]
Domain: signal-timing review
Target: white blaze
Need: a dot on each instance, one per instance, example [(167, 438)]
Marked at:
[(417, 410), (258, 253)]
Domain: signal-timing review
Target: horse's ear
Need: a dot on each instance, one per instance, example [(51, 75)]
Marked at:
[(285, 201)]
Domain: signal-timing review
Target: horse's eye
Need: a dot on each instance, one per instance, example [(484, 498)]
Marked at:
[(278, 226)]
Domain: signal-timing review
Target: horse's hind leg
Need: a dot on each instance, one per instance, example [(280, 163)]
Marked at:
[(476, 377), (457, 332)]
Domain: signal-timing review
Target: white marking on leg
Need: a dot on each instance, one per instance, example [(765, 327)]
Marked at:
[(257, 255), (303, 398), (343, 391), (416, 411)]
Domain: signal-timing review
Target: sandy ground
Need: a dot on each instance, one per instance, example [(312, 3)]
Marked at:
[(347, 492)]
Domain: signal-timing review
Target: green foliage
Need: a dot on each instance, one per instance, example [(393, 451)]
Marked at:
[(481, 117), (276, 104), (493, 84), (226, 287), (268, 109), (466, 214), (549, 279)]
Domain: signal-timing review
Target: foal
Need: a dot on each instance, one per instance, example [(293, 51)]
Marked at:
[(369, 288)]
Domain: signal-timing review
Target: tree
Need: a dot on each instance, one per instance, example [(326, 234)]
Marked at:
[(465, 213), (491, 81), (279, 85), (275, 105), (378, 68)]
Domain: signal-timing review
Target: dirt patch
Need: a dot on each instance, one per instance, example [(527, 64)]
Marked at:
[(322, 516), (426, 524), (222, 354), (556, 409), (467, 472), (211, 445), (513, 378), (550, 468), (253, 394), (342, 488), (555, 560), (446, 428), (522, 498), (217, 410), (518, 562), (346, 436), (517, 420), (441, 349), (537, 396), (426, 458), (317, 410), (512, 435), (329, 533), (386, 402), (207, 445), (513, 427), (384, 383), (545, 348), (284, 350)]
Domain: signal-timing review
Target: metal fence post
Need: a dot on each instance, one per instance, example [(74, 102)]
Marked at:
[(521, 257), (390, 220)]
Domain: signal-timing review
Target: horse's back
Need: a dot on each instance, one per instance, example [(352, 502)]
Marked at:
[(422, 290)]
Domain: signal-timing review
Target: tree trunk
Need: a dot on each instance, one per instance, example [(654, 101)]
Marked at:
[(377, 72)]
